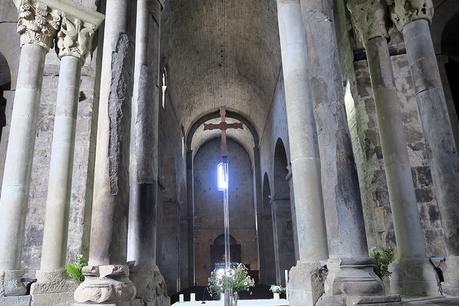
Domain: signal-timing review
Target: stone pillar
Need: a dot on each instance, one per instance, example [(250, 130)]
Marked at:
[(350, 279), (258, 203), (412, 274), (37, 26), (74, 43), (190, 214), (304, 288), (107, 275), (413, 18), (144, 187), (292, 206)]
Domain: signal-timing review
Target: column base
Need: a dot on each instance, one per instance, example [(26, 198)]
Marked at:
[(306, 283), (10, 283), (413, 277), (151, 286), (352, 281), (107, 284), (53, 288), (23, 300), (451, 285)]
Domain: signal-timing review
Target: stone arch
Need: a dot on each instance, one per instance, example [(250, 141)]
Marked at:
[(267, 258), (216, 114), (284, 249)]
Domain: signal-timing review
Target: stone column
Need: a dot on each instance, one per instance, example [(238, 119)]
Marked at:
[(350, 279), (258, 203), (74, 43), (144, 187), (304, 156), (190, 215), (106, 276), (37, 26), (413, 18), (412, 274)]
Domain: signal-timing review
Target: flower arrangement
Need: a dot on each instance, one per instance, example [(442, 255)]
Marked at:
[(74, 269), (277, 289), (237, 279)]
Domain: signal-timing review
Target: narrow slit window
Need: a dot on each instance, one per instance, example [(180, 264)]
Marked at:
[(222, 176)]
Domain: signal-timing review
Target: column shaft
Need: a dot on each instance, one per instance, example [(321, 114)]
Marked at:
[(304, 157), (408, 231), (304, 154), (435, 122), (144, 184), (109, 215), (345, 226), (106, 276), (145, 152), (190, 215), (60, 172), (18, 163)]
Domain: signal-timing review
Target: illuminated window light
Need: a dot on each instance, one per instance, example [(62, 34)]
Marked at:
[(222, 176)]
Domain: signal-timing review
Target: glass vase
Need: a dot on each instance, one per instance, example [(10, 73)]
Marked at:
[(230, 298)]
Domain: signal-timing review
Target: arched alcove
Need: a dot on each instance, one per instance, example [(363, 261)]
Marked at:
[(267, 261), (208, 205), (5, 84), (284, 249), (217, 250)]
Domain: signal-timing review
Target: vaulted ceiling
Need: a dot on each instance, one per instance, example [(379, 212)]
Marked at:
[(221, 52)]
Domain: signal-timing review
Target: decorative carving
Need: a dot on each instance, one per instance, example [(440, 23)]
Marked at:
[(368, 18), (37, 23), (105, 285), (406, 11), (74, 38)]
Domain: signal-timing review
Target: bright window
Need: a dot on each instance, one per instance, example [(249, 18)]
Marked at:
[(222, 176)]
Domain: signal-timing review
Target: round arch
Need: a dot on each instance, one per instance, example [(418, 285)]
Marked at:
[(216, 114)]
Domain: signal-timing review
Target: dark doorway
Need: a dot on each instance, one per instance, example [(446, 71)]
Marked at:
[(282, 215), (217, 250), (267, 269)]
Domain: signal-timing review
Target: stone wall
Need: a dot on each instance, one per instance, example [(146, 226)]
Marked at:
[(172, 244), (370, 157)]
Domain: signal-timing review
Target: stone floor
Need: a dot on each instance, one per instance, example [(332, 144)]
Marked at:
[(440, 301)]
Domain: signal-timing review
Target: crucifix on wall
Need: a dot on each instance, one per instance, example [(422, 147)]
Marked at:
[(223, 126)]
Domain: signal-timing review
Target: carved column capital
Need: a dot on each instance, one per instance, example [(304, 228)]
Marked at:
[(368, 18), (74, 37), (406, 11), (37, 23)]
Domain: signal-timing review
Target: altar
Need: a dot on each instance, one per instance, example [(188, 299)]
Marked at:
[(270, 302)]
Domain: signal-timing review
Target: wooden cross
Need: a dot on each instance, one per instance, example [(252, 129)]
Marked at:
[(223, 126)]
